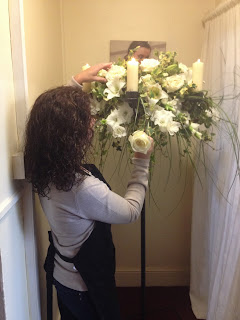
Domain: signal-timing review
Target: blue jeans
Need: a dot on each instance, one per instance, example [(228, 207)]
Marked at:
[(74, 305)]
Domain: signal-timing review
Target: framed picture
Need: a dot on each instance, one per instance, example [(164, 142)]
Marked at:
[(121, 48)]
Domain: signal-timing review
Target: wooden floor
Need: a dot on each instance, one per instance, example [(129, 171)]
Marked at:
[(161, 303)]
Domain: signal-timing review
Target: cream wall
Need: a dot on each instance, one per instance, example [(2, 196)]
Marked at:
[(88, 28), (220, 1), (87, 31), (42, 24), (11, 228)]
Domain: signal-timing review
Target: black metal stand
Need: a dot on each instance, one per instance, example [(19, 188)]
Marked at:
[(132, 98), (143, 261)]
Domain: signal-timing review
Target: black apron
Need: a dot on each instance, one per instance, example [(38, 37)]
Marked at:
[(95, 262)]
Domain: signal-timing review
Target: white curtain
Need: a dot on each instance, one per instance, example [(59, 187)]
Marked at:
[(215, 253)]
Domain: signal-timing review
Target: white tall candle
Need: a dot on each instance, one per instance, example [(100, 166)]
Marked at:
[(86, 86), (197, 74), (132, 75)]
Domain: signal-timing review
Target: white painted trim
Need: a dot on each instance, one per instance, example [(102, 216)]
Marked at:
[(31, 253), (8, 203), (154, 277), (19, 67), (21, 105)]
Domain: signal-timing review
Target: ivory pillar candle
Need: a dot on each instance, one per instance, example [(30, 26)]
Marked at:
[(197, 74), (86, 86), (132, 75)]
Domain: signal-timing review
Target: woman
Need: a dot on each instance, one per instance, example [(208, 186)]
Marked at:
[(77, 201), (143, 52)]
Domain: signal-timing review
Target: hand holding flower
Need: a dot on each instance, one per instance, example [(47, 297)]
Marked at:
[(142, 144)]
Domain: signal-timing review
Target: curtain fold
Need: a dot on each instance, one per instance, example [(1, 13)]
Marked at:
[(215, 253)]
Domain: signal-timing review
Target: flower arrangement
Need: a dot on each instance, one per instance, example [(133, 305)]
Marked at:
[(169, 105)]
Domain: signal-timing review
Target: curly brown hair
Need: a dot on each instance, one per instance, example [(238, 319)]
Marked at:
[(58, 136)]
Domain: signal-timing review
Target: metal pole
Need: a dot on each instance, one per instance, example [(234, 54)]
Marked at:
[(143, 261), (132, 98)]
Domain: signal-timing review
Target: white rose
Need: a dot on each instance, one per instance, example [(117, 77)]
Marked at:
[(174, 83), (140, 142), (147, 65), (115, 72), (119, 131)]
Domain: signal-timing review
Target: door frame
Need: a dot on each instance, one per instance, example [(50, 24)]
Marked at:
[(16, 21)]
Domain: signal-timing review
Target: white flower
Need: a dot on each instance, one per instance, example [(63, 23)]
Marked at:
[(174, 83), (96, 106), (187, 117), (114, 119), (165, 101), (125, 112), (162, 118), (151, 109), (183, 68), (115, 72), (175, 103), (173, 127), (85, 67), (155, 93), (214, 114), (193, 127), (147, 65), (114, 88), (102, 73), (147, 80), (189, 76), (118, 131), (140, 141), (186, 71), (208, 113)]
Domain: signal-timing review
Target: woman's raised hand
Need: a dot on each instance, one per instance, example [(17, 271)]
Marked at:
[(91, 74)]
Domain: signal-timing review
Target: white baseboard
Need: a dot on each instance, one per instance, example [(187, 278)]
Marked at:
[(154, 277)]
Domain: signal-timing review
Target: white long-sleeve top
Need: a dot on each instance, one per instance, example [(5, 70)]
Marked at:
[(72, 215)]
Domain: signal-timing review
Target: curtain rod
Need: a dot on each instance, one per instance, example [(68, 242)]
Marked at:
[(221, 8)]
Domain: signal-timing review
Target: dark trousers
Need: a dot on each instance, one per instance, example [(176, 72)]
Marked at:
[(74, 305)]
